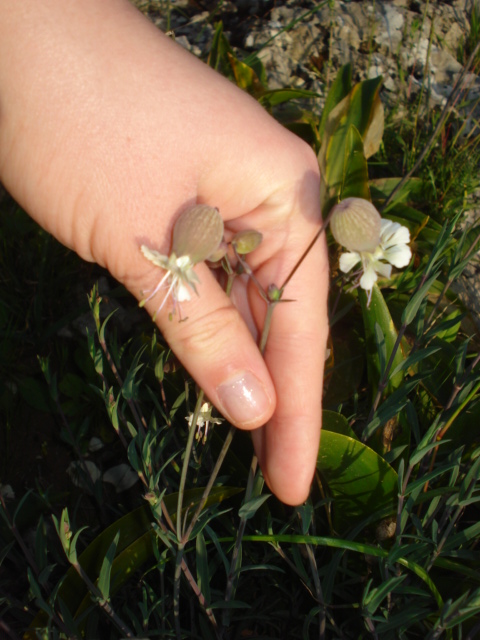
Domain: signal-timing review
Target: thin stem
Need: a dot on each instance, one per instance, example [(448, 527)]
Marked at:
[(102, 603), (266, 326), (213, 476), (318, 591), (8, 633), (324, 225), (176, 590), (232, 575), (139, 419), (186, 460), (28, 556), (201, 598)]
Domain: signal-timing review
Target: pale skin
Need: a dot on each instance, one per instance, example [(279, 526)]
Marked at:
[(108, 130)]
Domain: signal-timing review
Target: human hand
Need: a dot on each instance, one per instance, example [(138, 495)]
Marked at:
[(108, 130)]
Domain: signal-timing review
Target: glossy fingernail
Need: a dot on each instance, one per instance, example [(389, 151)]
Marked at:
[(243, 398)]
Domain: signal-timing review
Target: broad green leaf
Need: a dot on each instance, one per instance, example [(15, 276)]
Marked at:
[(360, 481), (336, 423), (355, 170), (338, 91), (35, 394), (359, 108), (372, 139), (377, 313), (105, 572)]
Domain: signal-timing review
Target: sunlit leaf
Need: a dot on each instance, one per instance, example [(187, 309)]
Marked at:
[(355, 171), (245, 77), (275, 97), (360, 480), (358, 108), (338, 91)]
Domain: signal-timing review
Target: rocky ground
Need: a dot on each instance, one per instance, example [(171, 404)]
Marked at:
[(416, 45), (380, 37)]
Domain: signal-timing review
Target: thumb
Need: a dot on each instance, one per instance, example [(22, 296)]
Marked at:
[(215, 346)]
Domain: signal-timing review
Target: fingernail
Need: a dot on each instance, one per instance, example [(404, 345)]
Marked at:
[(243, 398)]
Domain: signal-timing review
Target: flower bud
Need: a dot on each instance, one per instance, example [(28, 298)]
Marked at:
[(356, 224), (198, 233), (246, 241)]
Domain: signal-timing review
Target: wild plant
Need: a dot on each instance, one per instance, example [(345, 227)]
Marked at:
[(386, 545)]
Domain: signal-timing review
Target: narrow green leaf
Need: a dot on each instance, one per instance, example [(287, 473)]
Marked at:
[(250, 508), (418, 356), (106, 569), (346, 545), (275, 97), (421, 452), (218, 56), (378, 313), (374, 598), (414, 304)]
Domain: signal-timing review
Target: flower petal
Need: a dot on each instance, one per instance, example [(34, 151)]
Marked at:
[(181, 293), (393, 233), (383, 269), (398, 255), (369, 277), (155, 257), (348, 261)]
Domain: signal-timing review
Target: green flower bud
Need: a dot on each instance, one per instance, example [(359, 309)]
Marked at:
[(356, 224), (274, 294), (198, 233), (246, 241)]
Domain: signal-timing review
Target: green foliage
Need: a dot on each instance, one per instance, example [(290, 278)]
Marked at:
[(386, 546)]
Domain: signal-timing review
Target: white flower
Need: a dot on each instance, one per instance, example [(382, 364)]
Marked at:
[(392, 248), (197, 235), (204, 419), (180, 278)]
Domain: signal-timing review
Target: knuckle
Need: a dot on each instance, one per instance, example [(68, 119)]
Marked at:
[(211, 332)]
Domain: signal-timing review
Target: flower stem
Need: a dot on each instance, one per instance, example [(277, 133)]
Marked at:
[(186, 460)]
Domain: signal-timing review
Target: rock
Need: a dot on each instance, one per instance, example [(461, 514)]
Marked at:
[(390, 29)]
